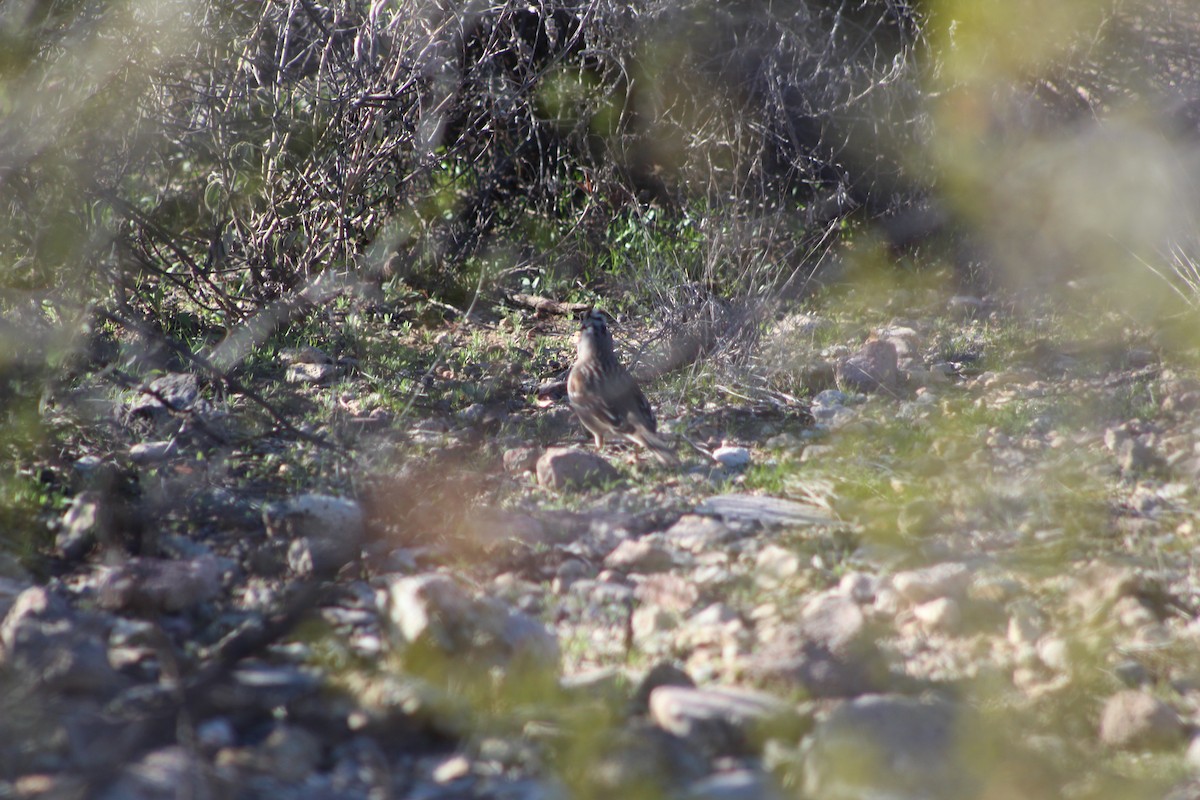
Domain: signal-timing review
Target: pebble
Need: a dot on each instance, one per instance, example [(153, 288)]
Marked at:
[(1133, 720), (565, 468), (941, 580)]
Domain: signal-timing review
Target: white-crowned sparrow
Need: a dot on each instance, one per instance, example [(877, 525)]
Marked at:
[(606, 397)]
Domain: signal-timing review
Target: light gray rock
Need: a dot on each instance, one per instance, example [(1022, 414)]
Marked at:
[(732, 456), (520, 459), (886, 746), (942, 615), (167, 774), (564, 468), (949, 579), (1134, 720), (763, 510), (641, 556), (872, 369), (311, 374), (64, 651), (439, 611), (173, 392), (327, 532), (720, 720), (828, 653), (146, 584), (739, 784), (152, 452), (697, 533)]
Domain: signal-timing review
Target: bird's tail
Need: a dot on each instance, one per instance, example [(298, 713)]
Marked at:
[(657, 446)]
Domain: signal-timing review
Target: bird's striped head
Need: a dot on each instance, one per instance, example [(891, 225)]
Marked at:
[(594, 336)]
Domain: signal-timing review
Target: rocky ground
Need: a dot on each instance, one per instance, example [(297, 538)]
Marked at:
[(930, 547)]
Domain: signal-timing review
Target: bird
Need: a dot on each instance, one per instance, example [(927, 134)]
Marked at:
[(605, 396)]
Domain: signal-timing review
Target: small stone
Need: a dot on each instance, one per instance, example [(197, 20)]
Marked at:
[(166, 773), (873, 368), (319, 516), (160, 585), (152, 452), (520, 459), (648, 623), (327, 532), (718, 720), (451, 769), (941, 580), (639, 556), (82, 525), (697, 533), (740, 784), (304, 355), (1054, 653), (42, 637), (942, 615), (569, 468), (310, 374), (887, 746), (763, 510), (775, 566), (731, 456), (170, 393), (439, 611), (1024, 626), (290, 753), (1134, 720)]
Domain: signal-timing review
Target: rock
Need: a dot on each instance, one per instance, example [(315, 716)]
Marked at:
[(941, 615), (671, 592), (696, 533), (64, 651), (739, 784), (1193, 754), (166, 774), (640, 556), (289, 753), (316, 515), (719, 721), (520, 459), (304, 355), (568, 468), (639, 760), (328, 532), (157, 585), (829, 653), (949, 579), (311, 374), (776, 566), (170, 393), (437, 611), (888, 746), (763, 510), (731, 456), (648, 623), (1097, 587), (1135, 720), (152, 452), (82, 525), (873, 368), (265, 688)]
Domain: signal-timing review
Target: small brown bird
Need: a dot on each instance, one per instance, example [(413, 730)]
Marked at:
[(605, 396)]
